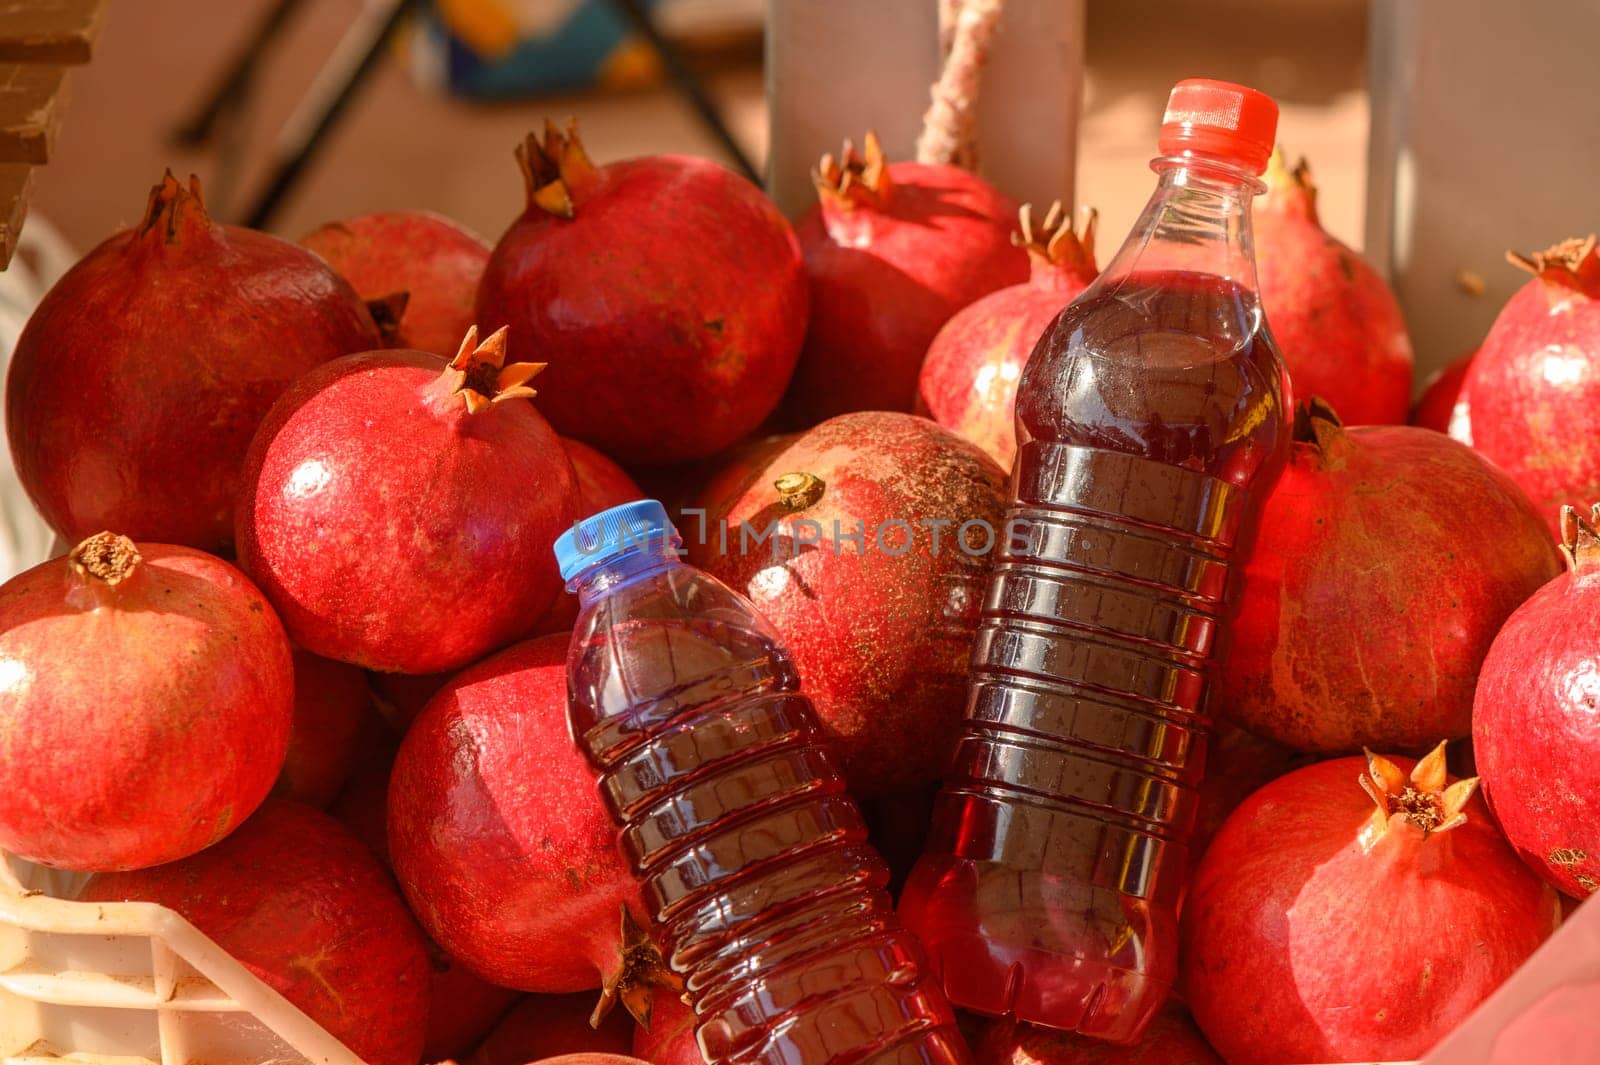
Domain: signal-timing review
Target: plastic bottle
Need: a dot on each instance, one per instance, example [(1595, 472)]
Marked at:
[(752, 855), (1151, 420)]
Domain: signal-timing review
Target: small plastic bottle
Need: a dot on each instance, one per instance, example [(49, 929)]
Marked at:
[(751, 854), (1151, 423)]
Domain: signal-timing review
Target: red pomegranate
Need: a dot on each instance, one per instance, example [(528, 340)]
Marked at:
[(670, 1038), (400, 511), (541, 1026), (592, 1059), (601, 484), (1534, 728), (1321, 929), (499, 838), (434, 261), (880, 624), (1367, 607), (135, 388), (401, 696), (1237, 764), (667, 292), (969, 378), (1171, 1039), (1439, 407), (304, 905), (893, 250), (362, 805), (1533, 392), (331, 702), (146, 693), (1338, 324)]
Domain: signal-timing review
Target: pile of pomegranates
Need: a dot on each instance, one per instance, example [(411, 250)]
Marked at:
[(300, 672)]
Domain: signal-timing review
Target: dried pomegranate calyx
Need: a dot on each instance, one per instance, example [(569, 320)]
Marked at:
[(640, 970), (852, 180), (479, 375), (796, 491), (1424, 800), (554, 168), (1052, 241), (1290, 186), (172, 208), (1580, 537), (1573, 265), (106, 558)]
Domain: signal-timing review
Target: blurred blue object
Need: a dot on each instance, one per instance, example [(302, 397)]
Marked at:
[(505, 49)]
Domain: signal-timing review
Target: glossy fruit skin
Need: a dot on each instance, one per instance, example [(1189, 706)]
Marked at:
[(670, 307), (968, 381), (435, 261), (1533, 394), (330, 523), (892, 714), (1439, 407), (670, 1038), (601, 484), (884, 279), (1534, 730), (542, 1026), (1171, 1039), (143, 721), (330, 704), (1326, 663), (1237, 764), (1299, 947), (1335, 319), (142, 374), (305, 906), (497, 832)]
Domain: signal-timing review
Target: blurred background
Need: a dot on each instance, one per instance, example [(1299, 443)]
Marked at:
[(434, 124)]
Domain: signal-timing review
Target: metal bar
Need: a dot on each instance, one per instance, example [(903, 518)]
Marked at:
[(235, 82)]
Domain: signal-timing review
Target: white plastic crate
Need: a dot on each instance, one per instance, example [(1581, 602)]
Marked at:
[(132, 983)]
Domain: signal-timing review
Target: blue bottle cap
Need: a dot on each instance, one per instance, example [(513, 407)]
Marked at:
[(640, 525)]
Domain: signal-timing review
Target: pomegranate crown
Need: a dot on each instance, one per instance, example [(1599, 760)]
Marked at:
[(479, 375), (851, 180), (172, 208), (1572, 266), (640, 971), (106, 558), (1290, 188), (1580, 542), (1052, 240), (554, 168), (1424, 800)]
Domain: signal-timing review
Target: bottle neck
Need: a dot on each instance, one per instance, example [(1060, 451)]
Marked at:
[(605, 577), (1197, 221)]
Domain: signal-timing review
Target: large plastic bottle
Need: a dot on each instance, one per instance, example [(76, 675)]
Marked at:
[(752, 855), (1151, 424)]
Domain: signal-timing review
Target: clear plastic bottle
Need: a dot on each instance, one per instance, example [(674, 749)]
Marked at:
[(752, 855), (1151, 425)]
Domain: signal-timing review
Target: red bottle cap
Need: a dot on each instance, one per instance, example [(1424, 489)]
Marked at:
[(1220, 118)]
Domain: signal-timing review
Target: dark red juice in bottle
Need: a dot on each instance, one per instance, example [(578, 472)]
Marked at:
[(1151, 425)]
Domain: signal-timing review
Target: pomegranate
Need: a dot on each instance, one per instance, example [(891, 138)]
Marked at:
[(969, 378), (1533, 392), (306, 907), (1440, 407), (601, 484), (668, 292), (1237, 763), (1338, 324), (893, 250), (1534, 727), (330, 705), (146, 693), (670, 1038), (1321, 929), (1324, 662), (401, 696), (362, 805), (1171, 1039), (500, 840), (864, 542), (434, 261), (592, 1059), (544, 1025), (139, 379), (400, 511)]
